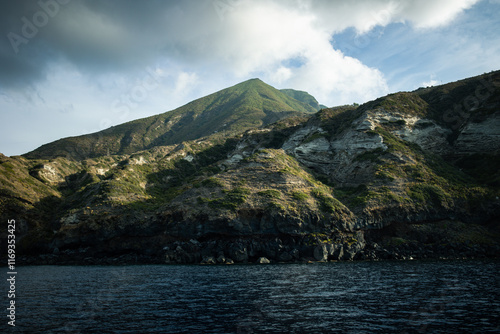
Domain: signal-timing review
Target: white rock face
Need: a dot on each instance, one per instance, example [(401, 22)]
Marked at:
[(481, 137), (336, 157), (101, 171), (234, 159), (355, 142), (300, 135), (316, 153), (50, 173), (242, 151), (427, 134), (422, 131), (139, 161)]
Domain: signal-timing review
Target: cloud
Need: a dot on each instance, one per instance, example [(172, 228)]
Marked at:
[(264, 38), (185, 83), (430, 83), (240, 37), (364, 15), (431, 14)]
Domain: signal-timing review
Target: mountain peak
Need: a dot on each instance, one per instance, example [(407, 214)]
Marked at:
[(255, 80), (249, 104), (253, 83)]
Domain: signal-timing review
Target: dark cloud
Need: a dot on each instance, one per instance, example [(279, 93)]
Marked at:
[(15, 69), (96, 36)]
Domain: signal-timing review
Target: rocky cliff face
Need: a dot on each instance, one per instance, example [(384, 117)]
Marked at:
[(479, 137), (394, 177)]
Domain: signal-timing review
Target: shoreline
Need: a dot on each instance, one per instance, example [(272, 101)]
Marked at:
[(367, 254)]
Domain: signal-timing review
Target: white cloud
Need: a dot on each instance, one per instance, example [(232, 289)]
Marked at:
[(430, 83), (259, 39), (281, 75), (363, 15), (185, 83), (432, 13)]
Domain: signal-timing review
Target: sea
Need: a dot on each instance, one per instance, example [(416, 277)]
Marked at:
[(340, 297)]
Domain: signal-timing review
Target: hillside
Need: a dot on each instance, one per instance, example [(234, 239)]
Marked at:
[(250, 104), (398, 177), (304, 97)]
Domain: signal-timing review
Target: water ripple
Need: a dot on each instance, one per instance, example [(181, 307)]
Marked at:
[(362, 297)]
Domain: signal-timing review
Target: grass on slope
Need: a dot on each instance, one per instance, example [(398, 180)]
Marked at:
[(230, 111)]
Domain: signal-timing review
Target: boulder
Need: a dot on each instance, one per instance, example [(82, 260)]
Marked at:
[(208, 260), (238, 252), (320, 253), (285, 257), (336, 251)]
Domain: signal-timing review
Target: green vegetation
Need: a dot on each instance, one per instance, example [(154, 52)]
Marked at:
[(337, 120), (300, 196), (270, 193), (275, 206), (250, 104), (327, 203), (425, 193), (232, 200), (212, 182), (302, 97), (407, 103)]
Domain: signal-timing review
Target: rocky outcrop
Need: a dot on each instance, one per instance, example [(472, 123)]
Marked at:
[(335, 157), (339, 156), (479, 137), (440, 240)]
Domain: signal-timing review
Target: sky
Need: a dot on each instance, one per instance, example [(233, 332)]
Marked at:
[(71, 67)]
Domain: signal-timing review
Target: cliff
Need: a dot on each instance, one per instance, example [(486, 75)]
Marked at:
[(409, 175)]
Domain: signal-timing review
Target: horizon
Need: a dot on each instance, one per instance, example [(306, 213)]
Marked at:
[(74, 67)]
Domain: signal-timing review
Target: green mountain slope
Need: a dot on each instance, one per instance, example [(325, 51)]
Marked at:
[(302, 96), (250, 104)]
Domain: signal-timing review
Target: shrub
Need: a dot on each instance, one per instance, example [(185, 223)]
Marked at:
[(212, 182), (326, 203), (232, 200), (428, 193), (270, 193), (300, 196)]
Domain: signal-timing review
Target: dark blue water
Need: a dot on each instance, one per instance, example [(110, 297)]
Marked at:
[(356, 297)]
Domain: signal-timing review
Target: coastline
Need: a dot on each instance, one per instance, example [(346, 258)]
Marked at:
[(188, 253)]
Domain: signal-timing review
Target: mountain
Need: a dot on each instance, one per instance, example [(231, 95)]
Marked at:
[(304, 97), (250, 104), (408, 175)]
